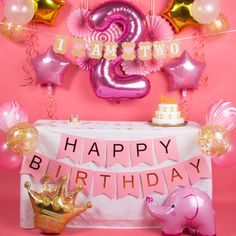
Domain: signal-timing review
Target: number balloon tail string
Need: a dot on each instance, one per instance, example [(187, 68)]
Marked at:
[(200, 55), (31, 40)]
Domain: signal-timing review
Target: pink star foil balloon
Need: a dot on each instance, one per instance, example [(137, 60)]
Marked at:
[(50, 67), (184, 72)]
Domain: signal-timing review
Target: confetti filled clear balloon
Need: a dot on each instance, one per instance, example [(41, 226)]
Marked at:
[(213, 140), (22, 138)]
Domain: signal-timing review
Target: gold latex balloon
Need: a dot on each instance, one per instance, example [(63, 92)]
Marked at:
[(54, 209), (22, 138), (178, 13), (213, 140), (46, 11), (12, 31), (219, 25)]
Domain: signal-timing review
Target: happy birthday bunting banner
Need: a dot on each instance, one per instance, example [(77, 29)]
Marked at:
[(119, 184)]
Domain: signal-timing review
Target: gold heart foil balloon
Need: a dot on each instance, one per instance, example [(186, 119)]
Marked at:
[(178, 13), (46, 11)]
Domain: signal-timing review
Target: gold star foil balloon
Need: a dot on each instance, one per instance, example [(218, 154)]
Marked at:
[(46, 11), (178, 13), (54, 209)]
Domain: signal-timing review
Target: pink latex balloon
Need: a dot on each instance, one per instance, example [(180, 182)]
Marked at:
[(205, 11), (50, 67), (185, 208), (19, 12), (106, 79), (222, 113), (229, 158), (11, 113), (8, 159), (184, 72)]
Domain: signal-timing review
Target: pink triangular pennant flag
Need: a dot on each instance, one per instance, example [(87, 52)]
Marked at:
[(197, 168), (176, 175), (141, 151), (35, 164), (166, 148), (128, 183), (105, 183)]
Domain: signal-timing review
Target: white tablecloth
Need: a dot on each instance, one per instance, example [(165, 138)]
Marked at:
[(118, 213)]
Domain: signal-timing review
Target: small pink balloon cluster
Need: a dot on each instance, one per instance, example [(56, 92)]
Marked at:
[(17, 137), (214, 138)]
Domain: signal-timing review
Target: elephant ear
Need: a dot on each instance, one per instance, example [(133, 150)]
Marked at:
[(192, 210)]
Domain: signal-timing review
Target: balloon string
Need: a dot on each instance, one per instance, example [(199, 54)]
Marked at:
[(200, 55), (177, 39), (31, 40), (51, 104), (84, 4), (184, 105)]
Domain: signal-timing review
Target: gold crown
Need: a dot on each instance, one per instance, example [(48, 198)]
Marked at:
[(165, 100), (54, 209)]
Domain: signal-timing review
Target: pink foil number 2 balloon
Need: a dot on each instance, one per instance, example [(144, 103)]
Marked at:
[(107, 80)]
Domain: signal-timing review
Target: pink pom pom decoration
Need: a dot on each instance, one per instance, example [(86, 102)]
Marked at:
[(77, 23), (222, 113)]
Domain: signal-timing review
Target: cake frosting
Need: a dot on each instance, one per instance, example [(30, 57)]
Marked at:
[(168, 114)]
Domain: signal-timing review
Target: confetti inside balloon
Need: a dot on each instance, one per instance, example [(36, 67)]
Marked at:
[(77, 23), (11, 113), (50, 67), (217, 27), (22, 138), (213, 140), (47, 11), (222, 113), (12, 31), (184, 72), (178, 13)]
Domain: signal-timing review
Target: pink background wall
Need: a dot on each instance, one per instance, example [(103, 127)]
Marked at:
[(77, 97)]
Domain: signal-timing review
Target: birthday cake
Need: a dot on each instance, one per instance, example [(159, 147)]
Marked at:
[(168, 114)]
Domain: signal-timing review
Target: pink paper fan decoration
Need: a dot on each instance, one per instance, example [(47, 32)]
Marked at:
[(77, 23), (222, 113), (135, 67), (158, 29), (153, 65), (112, 34), (85, 63)]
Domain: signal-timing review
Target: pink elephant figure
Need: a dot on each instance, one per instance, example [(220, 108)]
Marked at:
[(185, 208)]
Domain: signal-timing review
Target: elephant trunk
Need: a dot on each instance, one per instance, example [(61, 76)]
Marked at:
[(158, 212)]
